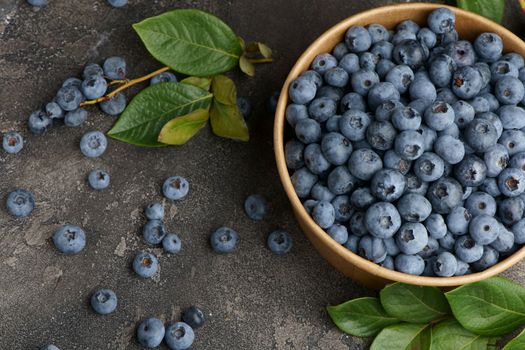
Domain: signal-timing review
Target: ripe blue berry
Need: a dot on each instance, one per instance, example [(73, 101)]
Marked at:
[(104, 301), (38, 123), (93, 144), (69, 239), (145, 264), (115, 105), (94, 87), (75, 118), (20, 203), (171, 243), (12, 142), (224, 240), (175, 188), (150, 332), (279, 242), (98, 179), (193, 316), (154, 232), (255, 207), (164, 77), (179, 336)]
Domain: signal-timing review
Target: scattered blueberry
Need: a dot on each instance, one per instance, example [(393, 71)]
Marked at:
[(224, 240), (93, 144), (193, 316), (98, 179), (150, 333), (104, 301), (20, 203), (154, 211), (255, 207), (175, 188), (171, 243), (164, 77), (145, 265), (179, 336), (115, 67), (69, 239), (279, 242), (12, 142)]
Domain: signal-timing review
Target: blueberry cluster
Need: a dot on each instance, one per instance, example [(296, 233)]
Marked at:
[(409, 146)]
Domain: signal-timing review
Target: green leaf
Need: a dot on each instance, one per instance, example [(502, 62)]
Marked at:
[(492, 307), (414, 304), (224, 90), (179, 130), (362, 317), (227, 121), (492, 9), (449, 335), (257, 47), (404, 336), (146, 115), (200, 82), (191, 42), (517, 343), (246, 66)]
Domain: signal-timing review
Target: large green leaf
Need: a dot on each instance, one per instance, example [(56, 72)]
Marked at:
[(517, 343), (180, 130), (191, 42), (492, 9), (362, 317), (415, 304), (146, 115), (492, 307), (404, 336), (449, 334)]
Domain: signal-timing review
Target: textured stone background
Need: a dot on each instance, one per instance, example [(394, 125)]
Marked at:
[(252, 299)]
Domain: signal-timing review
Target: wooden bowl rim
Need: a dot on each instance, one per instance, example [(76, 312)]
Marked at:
[(351, 258)]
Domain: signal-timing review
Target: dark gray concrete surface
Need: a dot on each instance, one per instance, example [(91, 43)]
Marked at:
[(252, 299)]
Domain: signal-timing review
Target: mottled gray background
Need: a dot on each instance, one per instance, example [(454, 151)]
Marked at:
[(252, 299)]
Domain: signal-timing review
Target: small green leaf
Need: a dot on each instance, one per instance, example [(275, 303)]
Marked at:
[(227, 121), (180, 130), (449, 335), (146, 115), (200, 82), (362, 317), (517, 343), (224, 90), (492, 9), (404, 336), (257, 47), (191, 42), (246, 66), (492, 307), (414, 304)]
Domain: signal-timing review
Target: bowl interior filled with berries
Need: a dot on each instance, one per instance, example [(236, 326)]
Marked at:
[(400, 142)]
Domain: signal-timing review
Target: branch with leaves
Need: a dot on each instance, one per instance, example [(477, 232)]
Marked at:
[(408, 317), (198, 45)]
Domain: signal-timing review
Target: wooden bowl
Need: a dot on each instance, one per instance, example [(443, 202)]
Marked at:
[(469, 26)]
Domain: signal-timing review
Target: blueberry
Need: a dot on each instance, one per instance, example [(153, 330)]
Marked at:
[(402, 35), (445, 265), (69, 239), (358, 39), (171, 243), (484, 70), (401, 77), (303, 181), (377, 32), (484, 229), (505, 241), (467, 249), (12, 142), (388, 185), (458, 221), (75, 118), (436, 227), (518, 229), (38, 123), (509, 90), (54, 111), (429, 136), (93, 144), (94, 87), (321, 109), (339, 233), (20, 203), (224, 240), (73, 81), (38, 3), (193, 316), (510, 210), (340, 180), (420, 105), (441, 69), (450, 149), (383, 67), (340, 50), (49, 347), (444, 195), (448, 241), (446, 95), (364, 163), (115, 67), (104, 301), (517, 161), (150, 332), (408, 25), (315, 160), (494, 119), (324, 214), (271, 103), (489, 46), (481, 203), (323, 63), (255, 207), (382, 50), (409, 144), (481, 135), (350, 63), (336, 77), (354, 124), (343, 208), (515, 58), (493, 101), (175, 188), (164, 77), (446, 38), (382, 92), (439, 116), (480, 104), (411, 238), (462, 268), (302, 91), (362, 198), (309, 205), (388, 263), (511, 182), (411, 264), (293, 153), (179, 336), (462, 53), (332, 124), (471, 171), (489, 258), (490, 185), (92, 69), (363, 80), (98, 179), (500, 69), (380, 135), (353, 100), (513, 140), (331, 92), (496, 159), (427, 37), (422, 88), (154, 211), (512, 117), (308, 130), (391, 160), (409, 52), (391, 246), (279, 242), (441, 20), (115, 105), (414, 207), (384, 110), (356, 225), (467, 82), (353, 243), (382, 220), (372, 248), (415, 184), (153, 232), (368, 61)]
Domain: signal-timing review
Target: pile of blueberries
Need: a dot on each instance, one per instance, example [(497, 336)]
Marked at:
[(409, 146)]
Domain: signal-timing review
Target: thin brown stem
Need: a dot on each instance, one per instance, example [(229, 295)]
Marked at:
[(260, 60)]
